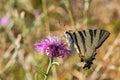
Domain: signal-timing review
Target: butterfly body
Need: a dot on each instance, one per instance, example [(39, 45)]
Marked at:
[(86, 42)]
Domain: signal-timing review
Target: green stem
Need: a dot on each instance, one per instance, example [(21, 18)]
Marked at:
[(48, 69), (35, 76)]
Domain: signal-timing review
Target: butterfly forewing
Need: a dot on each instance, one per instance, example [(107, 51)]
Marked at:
[(103, 36), (80, 43), (70, 40)]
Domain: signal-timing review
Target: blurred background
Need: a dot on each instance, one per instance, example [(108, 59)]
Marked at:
[(25, 22)]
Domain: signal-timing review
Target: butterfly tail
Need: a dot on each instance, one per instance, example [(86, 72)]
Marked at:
[(89, 61)]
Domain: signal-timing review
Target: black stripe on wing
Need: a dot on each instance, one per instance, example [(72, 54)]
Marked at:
[(102, 37), (84, 32), (70, 36), (76, 42), (94, 32), (101, 33), (91, 34), (83, 39)]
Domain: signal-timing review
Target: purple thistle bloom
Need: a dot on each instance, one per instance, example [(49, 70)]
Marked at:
[(4, 21), (53, 46), (37, 13)]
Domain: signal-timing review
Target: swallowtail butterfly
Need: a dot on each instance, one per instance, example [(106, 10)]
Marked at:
[(85, 43)]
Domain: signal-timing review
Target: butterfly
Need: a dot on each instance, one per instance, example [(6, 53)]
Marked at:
[(86, 42)]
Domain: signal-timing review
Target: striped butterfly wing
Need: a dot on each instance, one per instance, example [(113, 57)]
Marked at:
[(93, 40), (86, 42), (70, 40), (75, 42)]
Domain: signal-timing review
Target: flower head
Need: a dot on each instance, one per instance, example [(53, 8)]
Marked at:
[(4, 21), (37, 13), (53, 46)]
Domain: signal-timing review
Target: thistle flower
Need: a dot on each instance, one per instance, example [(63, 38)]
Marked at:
[(4, 21), (37, 13), (52, 46)]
